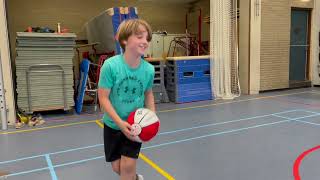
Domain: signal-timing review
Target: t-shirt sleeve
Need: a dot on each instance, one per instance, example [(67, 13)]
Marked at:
[(106, 79), (150, 82)]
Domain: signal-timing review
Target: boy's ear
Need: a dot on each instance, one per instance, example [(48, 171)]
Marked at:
[(116, 37), (124, 42)]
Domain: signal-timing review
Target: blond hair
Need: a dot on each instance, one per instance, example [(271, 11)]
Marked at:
[(129, 27)]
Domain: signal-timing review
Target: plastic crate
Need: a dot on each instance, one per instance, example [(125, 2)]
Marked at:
[(159, 91)]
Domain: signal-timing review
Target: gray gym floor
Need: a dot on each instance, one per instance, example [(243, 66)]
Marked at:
[(250, 138)]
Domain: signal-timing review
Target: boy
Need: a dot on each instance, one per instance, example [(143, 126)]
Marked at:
[(126, 84)]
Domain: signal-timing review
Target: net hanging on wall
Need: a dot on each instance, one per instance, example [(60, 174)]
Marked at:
[(224, 49)]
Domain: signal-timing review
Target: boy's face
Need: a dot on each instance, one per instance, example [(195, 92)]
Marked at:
[(137, 43)]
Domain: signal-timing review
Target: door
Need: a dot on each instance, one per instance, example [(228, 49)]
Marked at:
[(299, 45)]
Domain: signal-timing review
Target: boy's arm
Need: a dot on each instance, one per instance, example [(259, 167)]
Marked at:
[(149, 100), (103, 95)]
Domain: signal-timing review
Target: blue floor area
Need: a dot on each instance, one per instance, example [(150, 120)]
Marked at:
[(253, 137)]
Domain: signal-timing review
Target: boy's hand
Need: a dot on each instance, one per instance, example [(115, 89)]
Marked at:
[(126, 129)]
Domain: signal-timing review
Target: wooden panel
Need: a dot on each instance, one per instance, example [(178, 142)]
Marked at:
[(302, 3)]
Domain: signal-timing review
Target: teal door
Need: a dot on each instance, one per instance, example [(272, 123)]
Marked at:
[(298, 45)]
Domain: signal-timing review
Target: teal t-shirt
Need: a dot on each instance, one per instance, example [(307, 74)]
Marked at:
[(127, 86)]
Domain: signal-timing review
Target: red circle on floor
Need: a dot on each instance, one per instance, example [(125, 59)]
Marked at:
[(298, 161)]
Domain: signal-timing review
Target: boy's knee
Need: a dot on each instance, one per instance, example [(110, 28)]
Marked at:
[(116, 169), (116, 166), (127, 168)]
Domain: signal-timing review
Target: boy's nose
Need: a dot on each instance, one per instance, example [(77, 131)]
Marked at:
[(144, 41)]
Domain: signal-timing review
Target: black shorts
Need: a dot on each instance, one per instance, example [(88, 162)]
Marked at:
[(116, 144)]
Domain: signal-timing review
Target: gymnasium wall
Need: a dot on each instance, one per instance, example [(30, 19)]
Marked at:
[(275, 41)]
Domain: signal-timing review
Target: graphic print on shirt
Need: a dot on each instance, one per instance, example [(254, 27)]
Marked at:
[(130, 89)]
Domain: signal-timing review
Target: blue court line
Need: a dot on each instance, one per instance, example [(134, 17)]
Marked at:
[(306, 122), (226, 122), (302, 110), (58, 152), (162, 144), (163, 133), (76, 149), (311, 111), (215, 134), (56, 166), (27, 172), (21, 159), (312, 115), (172, 142), (52, 172), (77, 162), (283, 117), (297, 119)]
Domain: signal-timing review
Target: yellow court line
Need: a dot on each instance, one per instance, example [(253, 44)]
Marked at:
[(147, 160), (231, 102), (156, 167), (49, 127), (99, 123)]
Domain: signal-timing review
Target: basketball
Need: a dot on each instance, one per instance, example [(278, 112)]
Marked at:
[(144, 123)]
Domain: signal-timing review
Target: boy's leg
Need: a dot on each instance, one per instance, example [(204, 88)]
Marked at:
[(112, 143), (129, 154), (128, 168), (116, 166)]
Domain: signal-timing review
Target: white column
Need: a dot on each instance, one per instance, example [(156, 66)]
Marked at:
[(314, 53), (6, 65), (255, 36), (249, 45), (3, 111)]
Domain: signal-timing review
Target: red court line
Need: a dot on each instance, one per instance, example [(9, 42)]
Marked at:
[(298, 161)]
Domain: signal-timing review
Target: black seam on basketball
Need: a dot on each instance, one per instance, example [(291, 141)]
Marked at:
[(143, 117)]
